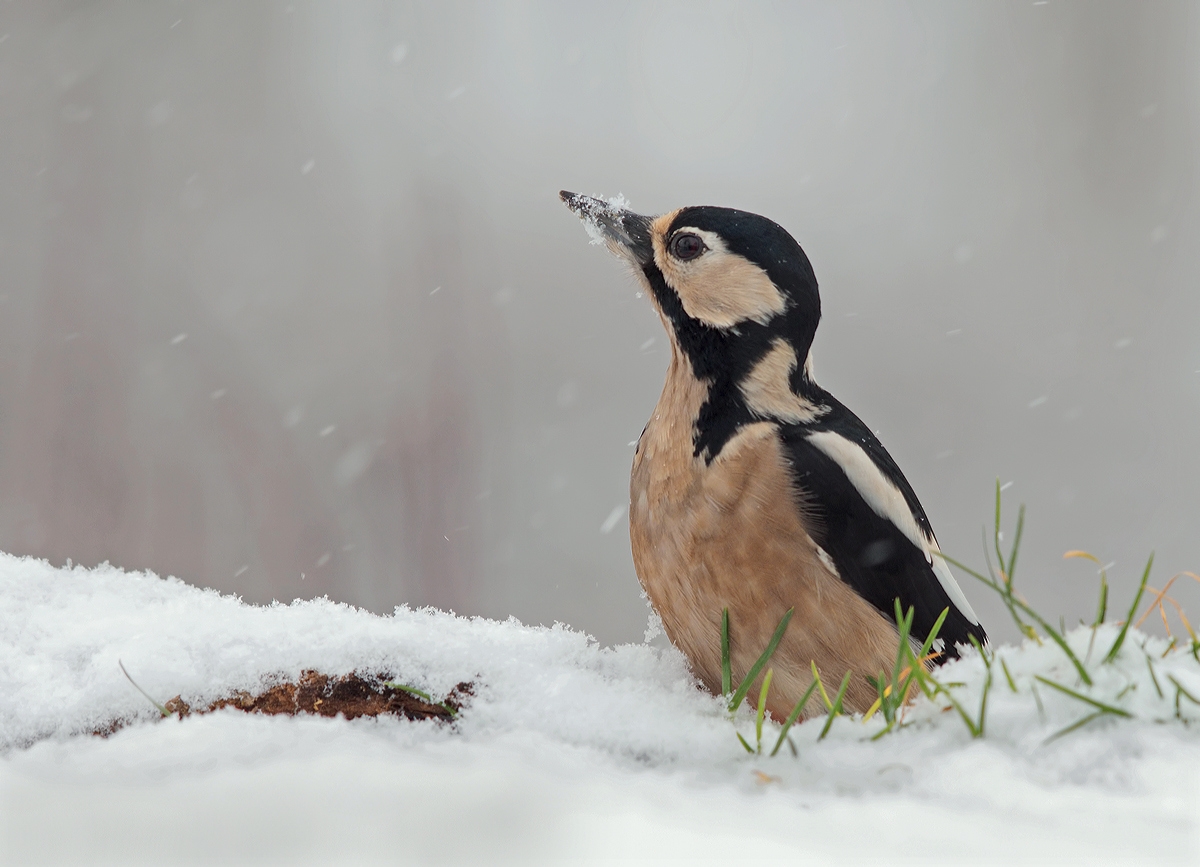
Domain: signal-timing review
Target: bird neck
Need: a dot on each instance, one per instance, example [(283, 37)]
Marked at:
[(746, 377)]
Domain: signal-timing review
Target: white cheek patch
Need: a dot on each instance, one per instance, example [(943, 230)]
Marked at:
[(885, 500), (718, 287)]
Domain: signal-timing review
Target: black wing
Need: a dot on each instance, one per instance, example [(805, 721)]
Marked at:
[(872, 554)]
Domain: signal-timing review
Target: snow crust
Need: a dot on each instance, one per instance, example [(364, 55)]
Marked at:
[(568, 751)]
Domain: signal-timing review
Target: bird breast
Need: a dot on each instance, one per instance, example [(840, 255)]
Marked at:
[(733, 533)]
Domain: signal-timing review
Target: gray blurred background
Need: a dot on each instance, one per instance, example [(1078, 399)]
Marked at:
[(289, 305)]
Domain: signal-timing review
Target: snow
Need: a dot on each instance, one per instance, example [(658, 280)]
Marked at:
[(594, 209), (568, 750)]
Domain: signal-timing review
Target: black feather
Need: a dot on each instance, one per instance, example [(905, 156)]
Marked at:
[(872, 555)]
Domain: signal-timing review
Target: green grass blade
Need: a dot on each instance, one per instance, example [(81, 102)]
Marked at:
[(820, 686), (1075, 725), (1037, 697), (726, 670), (1150, 665), (1087, 657), (1116, 648), (987, 684), (1181, 690), (883, 731), (918, 672), (1008, 676), (793, 716), (162, 710), (996, 531), (1012, 601), (904, 629), (837, 706), (1012, 558), (1107, 708), (412, 690), (743, 740), (1102, 608), (933, 633), (1005, 587), (762, 709), (970, 724), (987, 557), (880, 685), (745, 685)]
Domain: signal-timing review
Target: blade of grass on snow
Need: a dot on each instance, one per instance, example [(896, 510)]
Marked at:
[(1116, 648), (162, 710), (726, 671), (793, 716), (745, 685), (837, 706)]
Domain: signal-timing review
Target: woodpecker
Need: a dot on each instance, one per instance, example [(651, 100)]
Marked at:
[(755, 490)]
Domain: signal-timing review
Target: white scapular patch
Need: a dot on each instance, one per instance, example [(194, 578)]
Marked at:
[(885, 500)]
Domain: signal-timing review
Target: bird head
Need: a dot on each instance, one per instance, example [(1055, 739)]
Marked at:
[(731, 287)]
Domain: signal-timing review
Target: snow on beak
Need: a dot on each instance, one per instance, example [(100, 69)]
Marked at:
[(624, 233)]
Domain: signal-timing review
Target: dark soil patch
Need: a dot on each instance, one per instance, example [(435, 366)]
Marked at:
[(351, 695)]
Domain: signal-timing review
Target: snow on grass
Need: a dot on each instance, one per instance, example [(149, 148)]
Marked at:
[(568, 750)]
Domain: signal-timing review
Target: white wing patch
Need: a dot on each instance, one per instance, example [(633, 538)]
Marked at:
[(942, 571), (885, 500)]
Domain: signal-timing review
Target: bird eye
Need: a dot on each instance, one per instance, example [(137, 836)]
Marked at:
[(687, 246)]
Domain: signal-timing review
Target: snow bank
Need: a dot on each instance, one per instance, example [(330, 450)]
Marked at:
[(568, 750)]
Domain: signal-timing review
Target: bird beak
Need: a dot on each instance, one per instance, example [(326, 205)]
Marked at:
[(624, 233)]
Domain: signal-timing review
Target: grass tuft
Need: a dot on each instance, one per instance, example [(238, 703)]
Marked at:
[(907, 671), (1003, 586), (739, 694), (909, 674)]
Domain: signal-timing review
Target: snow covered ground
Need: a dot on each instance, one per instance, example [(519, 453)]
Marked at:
[(569, 752)]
